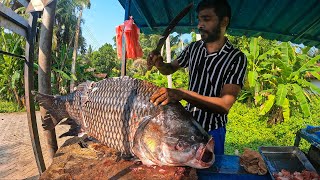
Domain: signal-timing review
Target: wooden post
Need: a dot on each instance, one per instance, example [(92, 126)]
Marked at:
[(123, 58), (28, 85), (168, 52), (44, 76)]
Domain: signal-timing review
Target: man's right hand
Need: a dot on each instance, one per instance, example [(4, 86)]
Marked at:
[(154, 59)]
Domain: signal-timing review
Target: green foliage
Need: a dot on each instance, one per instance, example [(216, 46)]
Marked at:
[(11, 68), (8, 107), (276, 78), (247, 129), (105, 60)]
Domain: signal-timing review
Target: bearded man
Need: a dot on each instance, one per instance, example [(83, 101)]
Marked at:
[(216, 72)]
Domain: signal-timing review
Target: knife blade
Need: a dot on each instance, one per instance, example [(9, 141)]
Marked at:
[(166, 33)]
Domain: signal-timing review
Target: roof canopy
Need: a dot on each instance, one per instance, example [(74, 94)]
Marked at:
[(297, 21)]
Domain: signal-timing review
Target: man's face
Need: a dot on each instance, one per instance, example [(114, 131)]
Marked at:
[(209, 25)]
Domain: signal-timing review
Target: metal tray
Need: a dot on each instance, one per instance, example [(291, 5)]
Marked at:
[(290, 158)]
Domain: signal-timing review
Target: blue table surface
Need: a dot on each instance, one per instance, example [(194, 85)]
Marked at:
[(228, 167)]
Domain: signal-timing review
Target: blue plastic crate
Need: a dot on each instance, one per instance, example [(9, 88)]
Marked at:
[(313, 137)]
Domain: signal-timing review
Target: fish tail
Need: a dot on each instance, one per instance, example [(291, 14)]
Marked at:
[(55, 107)]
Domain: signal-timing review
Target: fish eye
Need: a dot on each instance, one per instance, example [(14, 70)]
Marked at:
[(192, 138)]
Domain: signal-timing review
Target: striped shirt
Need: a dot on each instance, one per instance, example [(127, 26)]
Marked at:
[(208, 73)]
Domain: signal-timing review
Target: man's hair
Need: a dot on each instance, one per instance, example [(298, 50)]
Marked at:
[(221, 8)]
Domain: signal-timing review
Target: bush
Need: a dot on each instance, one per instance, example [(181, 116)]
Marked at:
[(246, 129)]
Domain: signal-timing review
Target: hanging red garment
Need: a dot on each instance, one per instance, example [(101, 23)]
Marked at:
[(133, 48)]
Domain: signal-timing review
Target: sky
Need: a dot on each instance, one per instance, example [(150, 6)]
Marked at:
[(100, 22)]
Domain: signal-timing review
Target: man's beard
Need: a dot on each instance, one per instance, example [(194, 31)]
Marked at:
[(212, 36)]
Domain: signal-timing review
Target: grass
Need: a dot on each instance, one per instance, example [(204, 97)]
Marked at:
[(9, 107)]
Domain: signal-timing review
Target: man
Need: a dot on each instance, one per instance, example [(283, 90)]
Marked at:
[(216, 72)]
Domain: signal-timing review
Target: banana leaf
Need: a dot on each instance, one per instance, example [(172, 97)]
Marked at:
[(63, 74), (299, 94), (281, 94), (265, 108), (286, 109), (252, 76), (254, 48), (315, 74)]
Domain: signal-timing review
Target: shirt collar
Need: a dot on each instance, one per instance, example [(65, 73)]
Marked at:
[(226, 48)]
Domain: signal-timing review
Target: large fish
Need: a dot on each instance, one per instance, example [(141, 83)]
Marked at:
[(118, 113)]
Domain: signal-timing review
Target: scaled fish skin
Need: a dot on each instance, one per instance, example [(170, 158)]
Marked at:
[(118, 113)]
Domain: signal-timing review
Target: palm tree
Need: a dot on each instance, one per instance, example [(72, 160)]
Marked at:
[(64, 37), (80, 4)]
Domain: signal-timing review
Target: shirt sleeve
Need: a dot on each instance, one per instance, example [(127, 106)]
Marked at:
[(183, 58), (237, 72)]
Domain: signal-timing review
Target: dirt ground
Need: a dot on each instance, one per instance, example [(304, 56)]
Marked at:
[(17, 160)]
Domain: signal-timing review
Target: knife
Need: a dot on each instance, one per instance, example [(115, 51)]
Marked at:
[(169, 29), (171, 26)]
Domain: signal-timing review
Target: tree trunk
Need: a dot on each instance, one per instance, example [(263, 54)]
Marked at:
[(44, 74), (75, 49), (18, 99)]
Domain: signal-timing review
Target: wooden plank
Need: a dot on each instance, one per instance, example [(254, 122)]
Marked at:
[(100, 162), (29, 85), (12, 27), (12, 21)]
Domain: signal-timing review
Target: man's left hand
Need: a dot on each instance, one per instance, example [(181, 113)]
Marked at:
[(164, 96)]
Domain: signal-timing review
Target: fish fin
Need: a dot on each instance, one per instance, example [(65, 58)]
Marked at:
[(55, 108), (73, 131), (127, 157), (68, 121), (82, 134), (124, 156), (69, 133), (137, 148), (83, 144), (141, 126)]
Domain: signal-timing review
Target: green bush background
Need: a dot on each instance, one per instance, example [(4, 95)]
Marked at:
[(246, 129)]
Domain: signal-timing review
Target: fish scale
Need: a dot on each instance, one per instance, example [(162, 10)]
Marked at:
[(108, 108)]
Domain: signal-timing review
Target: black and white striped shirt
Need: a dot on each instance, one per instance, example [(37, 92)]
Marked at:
[(208, 73)]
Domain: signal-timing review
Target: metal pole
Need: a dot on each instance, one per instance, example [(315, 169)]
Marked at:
[(126, 17), (28, 85), (44, 76)]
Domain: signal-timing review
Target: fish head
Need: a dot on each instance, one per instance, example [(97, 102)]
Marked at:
[(173, 138)]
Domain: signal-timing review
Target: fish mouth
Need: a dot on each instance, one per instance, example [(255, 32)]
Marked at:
[(205, 155)]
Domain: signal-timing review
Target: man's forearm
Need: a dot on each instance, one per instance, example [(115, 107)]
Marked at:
[(220, 104), (214, 104), (165, 68)]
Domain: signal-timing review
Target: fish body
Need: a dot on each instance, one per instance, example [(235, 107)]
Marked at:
[(118, 113)]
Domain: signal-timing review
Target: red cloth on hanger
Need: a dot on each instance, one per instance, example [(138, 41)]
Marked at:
[(131, 31)]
